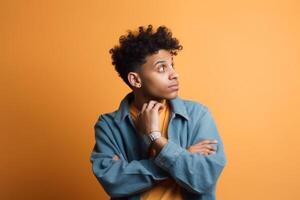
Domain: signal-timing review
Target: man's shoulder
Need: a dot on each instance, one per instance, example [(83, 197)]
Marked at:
[(191, 103), (195, 107), (106, 117)]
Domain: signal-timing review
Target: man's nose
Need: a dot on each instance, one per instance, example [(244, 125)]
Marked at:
[(174, 74)]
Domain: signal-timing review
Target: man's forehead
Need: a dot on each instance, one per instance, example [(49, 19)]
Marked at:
[(161, 56), (162, 59)]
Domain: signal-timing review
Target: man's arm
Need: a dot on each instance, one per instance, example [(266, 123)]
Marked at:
[(195, 172), (118, 177)]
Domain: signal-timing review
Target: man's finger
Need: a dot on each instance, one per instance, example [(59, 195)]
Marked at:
[(202, 149), (144, 107), (208, 141), (150, 104), (210, 147), (157, 106), (203, 144), (116, 157)]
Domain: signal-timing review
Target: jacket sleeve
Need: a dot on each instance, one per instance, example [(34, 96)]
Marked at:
[(195, 172), (120, 178)]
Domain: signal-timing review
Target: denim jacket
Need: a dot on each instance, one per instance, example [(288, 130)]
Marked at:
[(126, 178)]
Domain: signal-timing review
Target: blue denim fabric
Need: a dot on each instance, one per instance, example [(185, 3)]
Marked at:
[(127, 178)]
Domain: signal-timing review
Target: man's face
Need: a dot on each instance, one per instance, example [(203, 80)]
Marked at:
[(158, 76)]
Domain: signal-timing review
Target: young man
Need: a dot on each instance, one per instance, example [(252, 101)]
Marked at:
[(156, 145)]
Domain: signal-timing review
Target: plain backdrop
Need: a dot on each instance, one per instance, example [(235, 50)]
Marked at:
[(240, 58)]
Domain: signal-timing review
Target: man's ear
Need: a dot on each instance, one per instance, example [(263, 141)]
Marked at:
[(134, 79)]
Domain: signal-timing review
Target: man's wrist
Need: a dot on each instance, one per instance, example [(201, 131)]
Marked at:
[(154, 135), (155, 140), (159, 143)]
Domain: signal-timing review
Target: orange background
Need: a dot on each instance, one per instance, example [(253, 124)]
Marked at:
[(240, 58)]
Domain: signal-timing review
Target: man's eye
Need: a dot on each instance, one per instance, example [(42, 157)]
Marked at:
[(161, 68)]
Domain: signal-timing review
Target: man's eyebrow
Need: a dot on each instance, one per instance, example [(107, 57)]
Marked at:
[(161, 61)]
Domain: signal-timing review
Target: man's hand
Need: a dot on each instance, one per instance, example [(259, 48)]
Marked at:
[(148, 118), (116, 157), (204, 147)]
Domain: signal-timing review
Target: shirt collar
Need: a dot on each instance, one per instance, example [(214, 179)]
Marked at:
[(177, 107)]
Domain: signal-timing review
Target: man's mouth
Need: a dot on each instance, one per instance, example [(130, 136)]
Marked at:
[(174, 86)]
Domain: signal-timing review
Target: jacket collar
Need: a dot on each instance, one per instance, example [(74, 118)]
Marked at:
[(177, 106)]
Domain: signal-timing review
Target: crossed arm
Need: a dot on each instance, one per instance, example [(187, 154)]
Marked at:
[(194, 171), (203, 147)]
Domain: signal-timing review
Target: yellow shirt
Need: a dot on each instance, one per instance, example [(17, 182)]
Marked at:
[(167, 189)]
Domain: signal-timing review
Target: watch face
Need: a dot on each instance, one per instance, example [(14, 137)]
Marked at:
[(153, 136)]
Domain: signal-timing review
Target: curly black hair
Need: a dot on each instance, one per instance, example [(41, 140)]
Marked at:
[(135, 46)]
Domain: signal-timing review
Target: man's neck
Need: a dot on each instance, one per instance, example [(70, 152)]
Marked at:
[(139, 99)]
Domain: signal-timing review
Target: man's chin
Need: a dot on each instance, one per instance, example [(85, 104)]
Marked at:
[(171, 96), (167, 96)]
